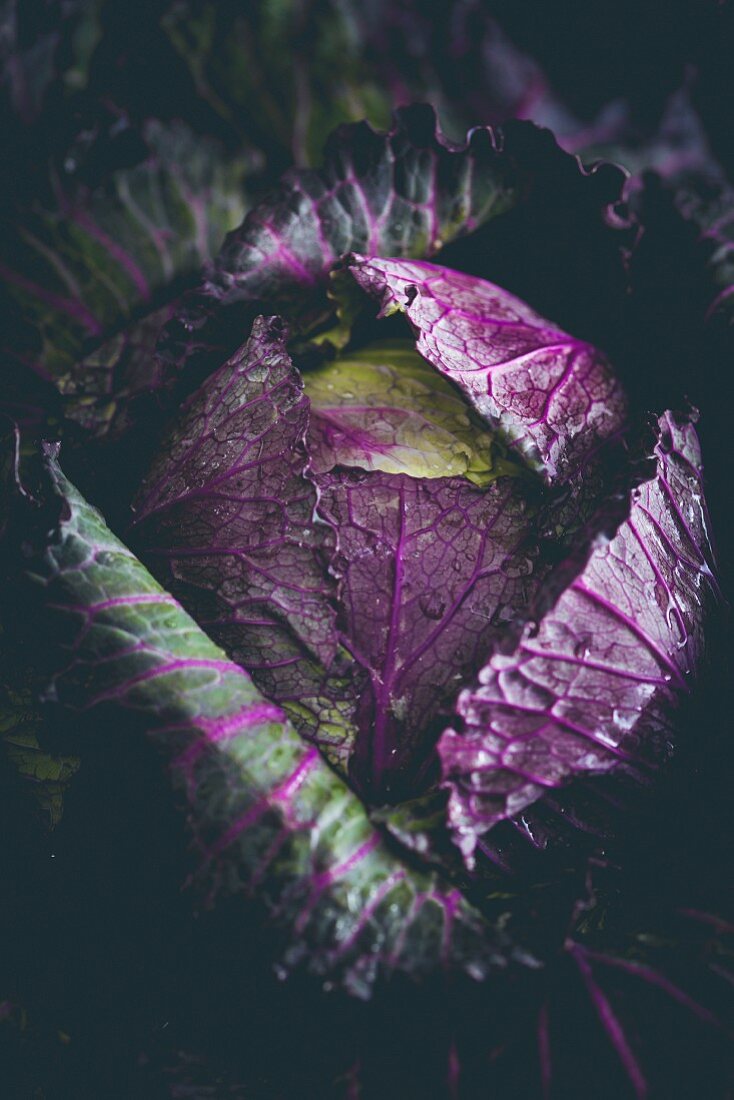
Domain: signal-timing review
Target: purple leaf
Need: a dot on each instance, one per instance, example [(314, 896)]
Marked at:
[(226, 514), (587, 688), (431, 570), (405, 192), (552, 397)]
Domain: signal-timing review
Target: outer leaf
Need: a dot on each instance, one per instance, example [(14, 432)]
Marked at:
[(81, 267), (232, 472), (431, 570), (402, 193), (587, 688), (286, 74), (704, 197), (552, 397), (97, 388), (407, 192), (268, 815)]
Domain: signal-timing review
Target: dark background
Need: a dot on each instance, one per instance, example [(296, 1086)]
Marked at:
[(112, 990)]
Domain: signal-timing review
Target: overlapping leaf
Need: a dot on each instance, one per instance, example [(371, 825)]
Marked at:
[(552, 397), (405, 192), (429, 569)]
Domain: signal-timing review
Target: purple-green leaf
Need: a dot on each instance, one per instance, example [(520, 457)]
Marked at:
[(383, 407), (406, 192), (91, 260)]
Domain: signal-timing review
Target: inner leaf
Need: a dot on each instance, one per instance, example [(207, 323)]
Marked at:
[(383, 407)]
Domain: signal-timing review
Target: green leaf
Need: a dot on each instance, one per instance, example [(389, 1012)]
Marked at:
[(26, 736), (269, 816), (384, 407)]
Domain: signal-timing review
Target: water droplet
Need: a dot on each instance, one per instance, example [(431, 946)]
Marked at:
[(517, 567), (501, 616), (625, 719), (432, 604)]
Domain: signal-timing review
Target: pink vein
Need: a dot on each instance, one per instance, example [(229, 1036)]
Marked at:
[(633, 627), (282, 793), (124, 259), (611, 1025), (71, 306), (163, 670)]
